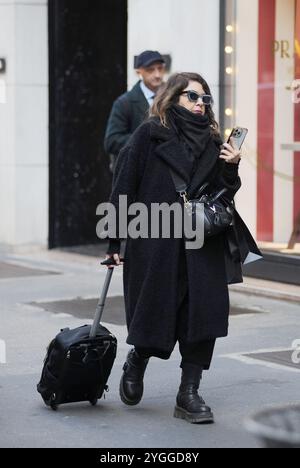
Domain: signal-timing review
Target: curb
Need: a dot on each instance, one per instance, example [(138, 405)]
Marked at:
[(265, 292)]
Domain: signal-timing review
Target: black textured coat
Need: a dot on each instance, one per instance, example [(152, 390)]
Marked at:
[(152, 266), (127, 114)]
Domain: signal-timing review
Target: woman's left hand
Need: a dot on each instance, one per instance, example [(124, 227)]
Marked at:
[(230, 153)]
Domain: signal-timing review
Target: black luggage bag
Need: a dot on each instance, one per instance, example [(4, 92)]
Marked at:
[(78, 362)]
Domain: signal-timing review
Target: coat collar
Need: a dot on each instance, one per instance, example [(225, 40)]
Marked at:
[(136, 94), (173, 153), (137, 97)]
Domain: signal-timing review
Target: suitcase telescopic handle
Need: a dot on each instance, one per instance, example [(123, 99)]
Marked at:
[(101, 303)]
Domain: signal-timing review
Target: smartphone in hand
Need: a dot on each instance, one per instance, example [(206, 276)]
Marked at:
[(238, 134)]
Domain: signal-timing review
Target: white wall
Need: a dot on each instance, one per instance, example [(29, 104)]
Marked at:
[(24, 123), (186, 29)]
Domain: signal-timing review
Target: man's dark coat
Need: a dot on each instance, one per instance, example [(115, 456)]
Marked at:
[(128, 112)]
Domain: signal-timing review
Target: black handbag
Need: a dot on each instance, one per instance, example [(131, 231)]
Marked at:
[(220, 214), (218, 210)]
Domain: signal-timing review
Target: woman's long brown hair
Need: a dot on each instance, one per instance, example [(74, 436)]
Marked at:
[(170, 93)]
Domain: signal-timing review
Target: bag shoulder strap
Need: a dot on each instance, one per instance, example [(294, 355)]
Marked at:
[(180, 184)]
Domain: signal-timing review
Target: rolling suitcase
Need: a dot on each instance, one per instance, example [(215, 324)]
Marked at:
[(78, 362)]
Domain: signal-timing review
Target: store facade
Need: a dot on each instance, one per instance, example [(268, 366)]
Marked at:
[(260, 89), (63, 63)]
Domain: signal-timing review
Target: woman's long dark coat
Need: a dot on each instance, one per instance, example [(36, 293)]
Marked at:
[(151, 268)]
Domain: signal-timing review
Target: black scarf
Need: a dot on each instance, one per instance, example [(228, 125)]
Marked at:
[(193, 129)]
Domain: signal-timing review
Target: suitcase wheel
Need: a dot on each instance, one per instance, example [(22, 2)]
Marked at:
[(54, 406), (94, 401), (52, 402)]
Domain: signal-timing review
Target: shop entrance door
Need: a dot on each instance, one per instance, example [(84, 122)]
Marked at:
[(88, 70)]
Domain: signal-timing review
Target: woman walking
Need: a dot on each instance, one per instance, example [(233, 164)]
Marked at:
[(173, 293)]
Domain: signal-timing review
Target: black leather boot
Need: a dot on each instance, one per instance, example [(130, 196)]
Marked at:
[(132, 384), (190, 406)]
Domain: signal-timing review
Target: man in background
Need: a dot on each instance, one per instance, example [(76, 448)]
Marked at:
[(131, 109)]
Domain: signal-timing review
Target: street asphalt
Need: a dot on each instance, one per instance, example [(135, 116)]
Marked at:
[(236, 386)]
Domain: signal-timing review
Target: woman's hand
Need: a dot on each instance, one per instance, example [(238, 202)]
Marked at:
[(117, 259), (230, 153)]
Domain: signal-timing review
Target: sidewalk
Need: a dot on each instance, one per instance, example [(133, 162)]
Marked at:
[(238, 383), (252, 286), (270, 289)]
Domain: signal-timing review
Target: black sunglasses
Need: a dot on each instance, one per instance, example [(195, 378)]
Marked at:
[(193, 97)]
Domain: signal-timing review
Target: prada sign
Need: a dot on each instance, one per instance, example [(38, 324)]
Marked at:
[(286, 49)]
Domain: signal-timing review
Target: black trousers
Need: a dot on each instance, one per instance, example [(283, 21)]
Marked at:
[(200, 353)]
